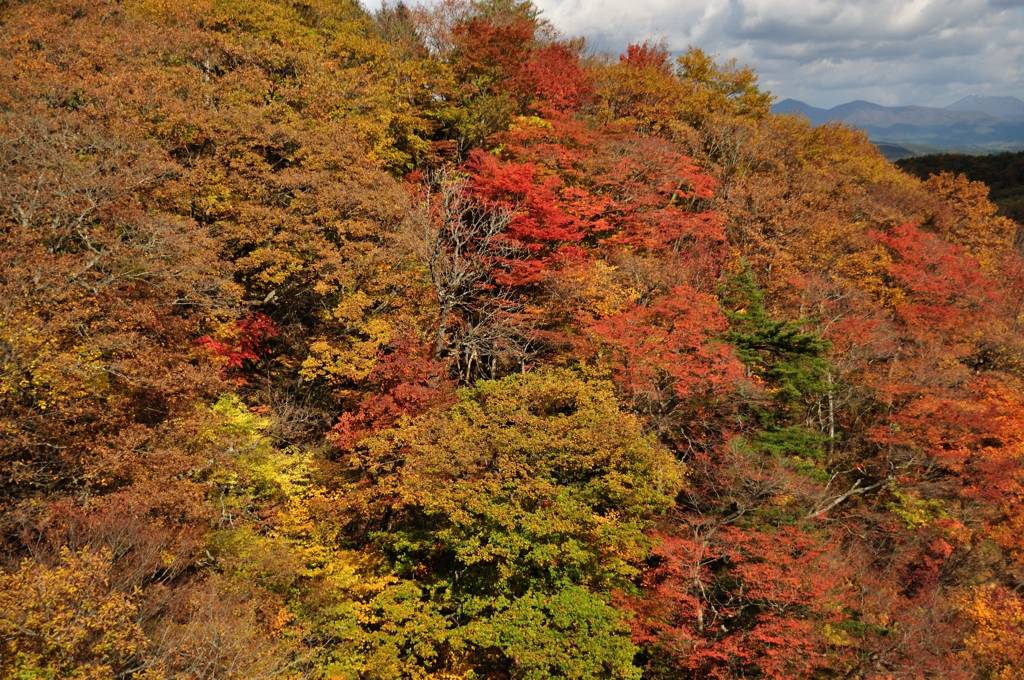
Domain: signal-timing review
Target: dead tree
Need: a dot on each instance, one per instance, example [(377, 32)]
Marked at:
[(465, 247)]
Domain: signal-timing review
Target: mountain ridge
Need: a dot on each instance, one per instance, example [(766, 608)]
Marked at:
[(972, 124), (1000, 107)]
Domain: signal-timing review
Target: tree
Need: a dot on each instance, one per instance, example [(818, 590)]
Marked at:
[(731, 603), (731, 383), (516, 512), (719, 89), (995, 641), (65, 621), (466, 247), (974, 224)]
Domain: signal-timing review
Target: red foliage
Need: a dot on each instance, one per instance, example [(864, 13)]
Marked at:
[(1012, 274), (559, 82), (490, 56), (572, 189), (504, 59), (740, 603), (967, 424), (579, 193), (648, 55), (948, 292), (406, 381), (246, 341), (667, 350), (539, 218)]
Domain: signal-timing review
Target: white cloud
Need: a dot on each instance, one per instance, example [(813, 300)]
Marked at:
[(826, 52)]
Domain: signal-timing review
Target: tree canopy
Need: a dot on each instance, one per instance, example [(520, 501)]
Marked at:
[(427, 343)]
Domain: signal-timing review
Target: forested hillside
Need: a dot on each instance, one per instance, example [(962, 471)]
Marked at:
[(431, 344), (1003, 173)]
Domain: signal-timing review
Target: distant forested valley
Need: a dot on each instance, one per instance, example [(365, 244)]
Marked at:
[(1003, 173), (430, 343)]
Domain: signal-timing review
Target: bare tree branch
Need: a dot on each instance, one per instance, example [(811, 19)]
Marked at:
[(465, 246)]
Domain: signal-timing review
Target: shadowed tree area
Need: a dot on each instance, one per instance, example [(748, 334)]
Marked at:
[(1003, 173)]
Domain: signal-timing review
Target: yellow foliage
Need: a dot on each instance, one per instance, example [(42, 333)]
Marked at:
[(974, 225), (337, 365), (237, 421), (594, 288), (347, 71), (711, 88), (997, 640), (915, 512), (65, 621), (646, 99), (41, 368), (836, 637), (527, 122), (352, 307)]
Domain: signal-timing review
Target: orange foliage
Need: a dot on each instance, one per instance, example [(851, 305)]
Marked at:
[(997, 639)]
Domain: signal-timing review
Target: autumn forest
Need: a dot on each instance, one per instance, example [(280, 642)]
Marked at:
[(432, 343)]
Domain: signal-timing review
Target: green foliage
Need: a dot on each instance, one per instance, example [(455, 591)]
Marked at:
[(801, 449), (531, 487), (503, 11), (789, 361), (791, 366), (470, 124), (572, 633), (791, 440)]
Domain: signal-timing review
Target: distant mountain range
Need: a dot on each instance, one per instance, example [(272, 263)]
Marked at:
[(975, 124), (999, 107)]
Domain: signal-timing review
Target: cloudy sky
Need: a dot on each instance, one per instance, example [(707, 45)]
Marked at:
[(828, 52)]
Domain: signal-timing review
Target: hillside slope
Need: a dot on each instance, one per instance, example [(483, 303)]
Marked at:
[(427, 345)]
